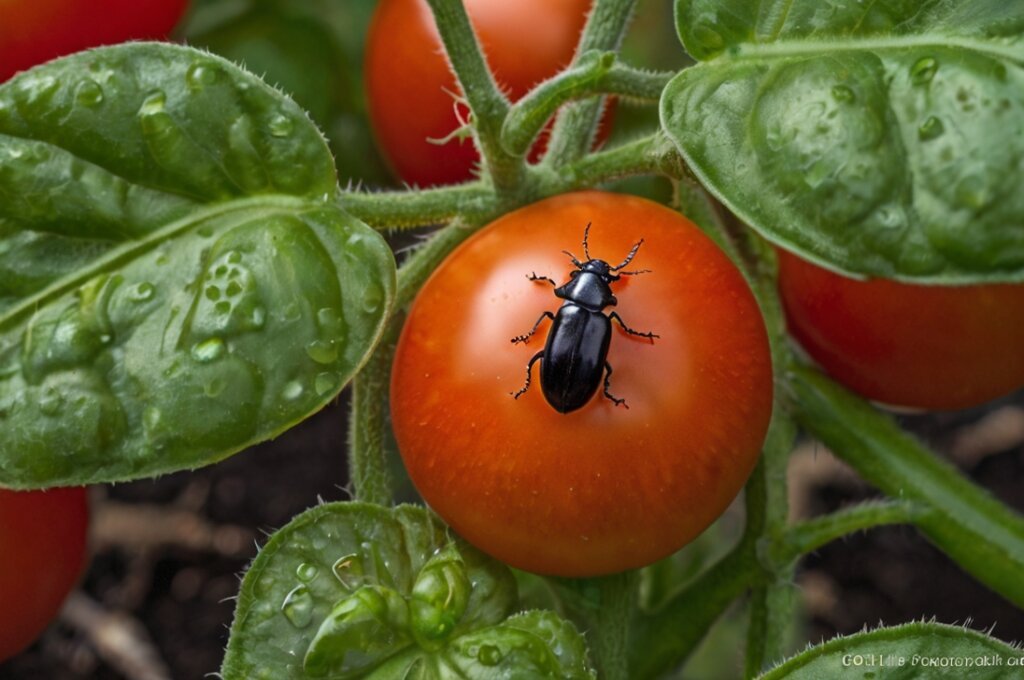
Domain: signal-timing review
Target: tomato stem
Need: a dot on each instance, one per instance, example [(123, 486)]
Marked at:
[(979, 533), (474, 201), (573, 134), (486, 101), (594, 73)]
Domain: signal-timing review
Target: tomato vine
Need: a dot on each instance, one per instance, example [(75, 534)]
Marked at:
[(228, 173)]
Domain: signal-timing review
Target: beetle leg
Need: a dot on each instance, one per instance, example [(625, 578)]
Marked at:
[(529, 367), (533, 277), (607, 385), (649, 336), (526, 338)]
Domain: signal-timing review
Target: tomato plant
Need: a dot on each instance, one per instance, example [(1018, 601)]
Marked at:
[(931, 347), (544, 491), (36, 31), (181, 277), (411, 87), (42, 552)]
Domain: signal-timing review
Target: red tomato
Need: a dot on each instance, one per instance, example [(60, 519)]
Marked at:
[(603, 488), (42, 552), (410, 84), (35, 31), (931, 347)]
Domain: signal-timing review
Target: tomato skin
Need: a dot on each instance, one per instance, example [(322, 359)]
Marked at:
[(409, 81), (36, 31), (42, 553), (926, 347), (602, 489)]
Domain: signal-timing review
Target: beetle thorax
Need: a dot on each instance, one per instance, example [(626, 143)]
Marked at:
[(589, 288)]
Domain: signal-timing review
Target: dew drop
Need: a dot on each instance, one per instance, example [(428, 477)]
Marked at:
[(51, 401), (973, 193), (349, 571), (208, 350), (489, 655), (153, 104), (212, 293), (298, 607), (930, 129), (234, 289), (292, 391), (161, 259), (324, 383), (89, 93), (142, 292), (205, 231), (234, 257), (281, 126), (292, 312), (306, 572), (215, 387), (923, 70), (842, 93), (199, 76), (223, 308), (373, 297), (151, 418), (322, 352), (259, 317), (329, 319)]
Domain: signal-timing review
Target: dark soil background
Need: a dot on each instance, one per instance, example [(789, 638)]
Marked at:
[(156, 601)]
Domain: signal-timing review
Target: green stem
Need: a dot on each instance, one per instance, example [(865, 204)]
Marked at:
[(417, 208), (418, 267), (488, 105), (808, 536), (594, 73), (982, 535), (652, 155), (367, 458), (665, 638), (610, 625), (576, 125)]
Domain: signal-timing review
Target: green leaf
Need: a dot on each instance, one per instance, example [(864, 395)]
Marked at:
[(175, 281), (882, 138), (355, 590), (913, 650)]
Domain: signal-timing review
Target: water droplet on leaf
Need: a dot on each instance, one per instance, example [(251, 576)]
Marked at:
[(142, 292), (306, 572), (89, 93), (208, 350), (281, 126), (322, 352), (153, 104), (930, 128), (298, 607), (292, 391), (843, 94), (199, 76), (489, 655), (324, 383), (349, 571), (923, 70)]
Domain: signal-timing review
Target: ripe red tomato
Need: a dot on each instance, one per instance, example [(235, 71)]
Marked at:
[(410, 84), (931, 347), (604, 488), (42, 552), (35, 31)]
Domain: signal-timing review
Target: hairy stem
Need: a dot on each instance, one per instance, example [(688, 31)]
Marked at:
[(488, 105), (367, 459), (808, 536), (594, 73), (982, 535), (576, 125), (417, 208)]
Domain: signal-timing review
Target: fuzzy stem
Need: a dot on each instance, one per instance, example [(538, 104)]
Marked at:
[(488, 105)]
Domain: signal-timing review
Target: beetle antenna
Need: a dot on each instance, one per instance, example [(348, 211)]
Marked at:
[(634, 273), (572, 257), (586, 238), (629, 258)]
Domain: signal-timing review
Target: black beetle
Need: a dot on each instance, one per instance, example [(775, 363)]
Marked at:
[(576, 352)]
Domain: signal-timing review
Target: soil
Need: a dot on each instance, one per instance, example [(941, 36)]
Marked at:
[(168, 553)]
